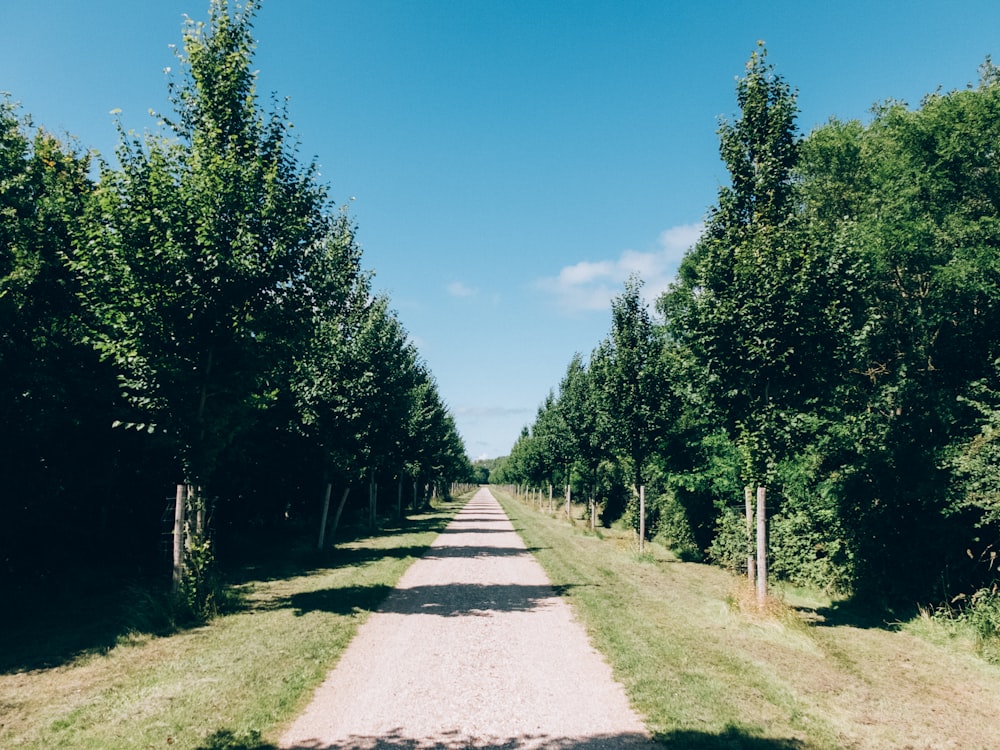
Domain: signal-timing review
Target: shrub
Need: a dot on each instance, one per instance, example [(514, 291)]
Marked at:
[(983, 616)]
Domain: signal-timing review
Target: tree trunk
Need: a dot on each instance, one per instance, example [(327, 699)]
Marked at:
[(399, 498), (642, 518), (180, 505), (751, 565), (593, 501), (200, 511), (340, 509), (326, 511), (761, 546)]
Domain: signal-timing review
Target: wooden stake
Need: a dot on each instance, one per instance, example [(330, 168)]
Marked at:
[(642, 518), (761, 546), (179, 507), (751, 565), (326, 510), (340, 509)]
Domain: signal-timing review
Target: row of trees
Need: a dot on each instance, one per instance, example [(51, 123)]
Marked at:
[(205, 299), (833, 337)]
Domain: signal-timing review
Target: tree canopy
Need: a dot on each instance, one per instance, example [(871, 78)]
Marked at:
[(205, 296), (832, 335)]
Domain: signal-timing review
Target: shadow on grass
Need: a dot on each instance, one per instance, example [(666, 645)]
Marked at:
[(308, 560), (49, 628), (860, 614), (344, 600), (90, 615), (731, 738)]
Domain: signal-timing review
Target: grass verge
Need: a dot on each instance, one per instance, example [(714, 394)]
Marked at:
[(230, 684), (707, 673)]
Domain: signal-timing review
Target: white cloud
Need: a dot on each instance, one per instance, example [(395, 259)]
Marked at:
[(677, 240), (461, 289), (589, 285), (584, 272)]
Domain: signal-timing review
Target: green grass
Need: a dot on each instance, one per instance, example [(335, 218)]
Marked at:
[(706, 672), (702, 671), (230, 684)]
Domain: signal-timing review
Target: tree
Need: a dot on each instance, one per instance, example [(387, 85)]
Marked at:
[(627, 371), (325, 377), (55, 394), (927, 240), (577, 404), (195, 251), (743, 321)]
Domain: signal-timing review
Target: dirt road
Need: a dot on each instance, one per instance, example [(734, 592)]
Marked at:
[(474, 649)]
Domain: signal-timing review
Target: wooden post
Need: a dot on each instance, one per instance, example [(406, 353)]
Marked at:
[(761, 546), (569, 507), (642, 518), (340, 509), (399, 498), (593, 507), (180, 503), (550, 497), (751, 565), (326, 511)]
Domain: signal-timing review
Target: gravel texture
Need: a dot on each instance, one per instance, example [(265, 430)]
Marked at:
[(474, 649)]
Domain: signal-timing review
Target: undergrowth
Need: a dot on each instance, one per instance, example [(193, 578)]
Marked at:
[(974, 619)]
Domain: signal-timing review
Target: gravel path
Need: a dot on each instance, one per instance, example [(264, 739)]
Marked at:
[(474, 649)]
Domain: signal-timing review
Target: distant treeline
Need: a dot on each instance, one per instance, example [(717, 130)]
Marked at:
[(196, 314), (833, 337)]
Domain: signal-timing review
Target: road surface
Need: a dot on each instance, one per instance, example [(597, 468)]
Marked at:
[(474, 649)]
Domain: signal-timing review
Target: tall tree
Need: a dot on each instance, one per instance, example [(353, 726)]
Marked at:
[(578, 404), (196, 248), (628, 376), (928, 240), (56, 397), (745, 321)]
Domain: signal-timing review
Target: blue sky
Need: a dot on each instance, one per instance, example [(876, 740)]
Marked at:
[(510, 162)]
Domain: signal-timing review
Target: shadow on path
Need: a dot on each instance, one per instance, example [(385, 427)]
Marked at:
[(457, 529), (452, 551), (729, 739), (449, 600), (225, 740)]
